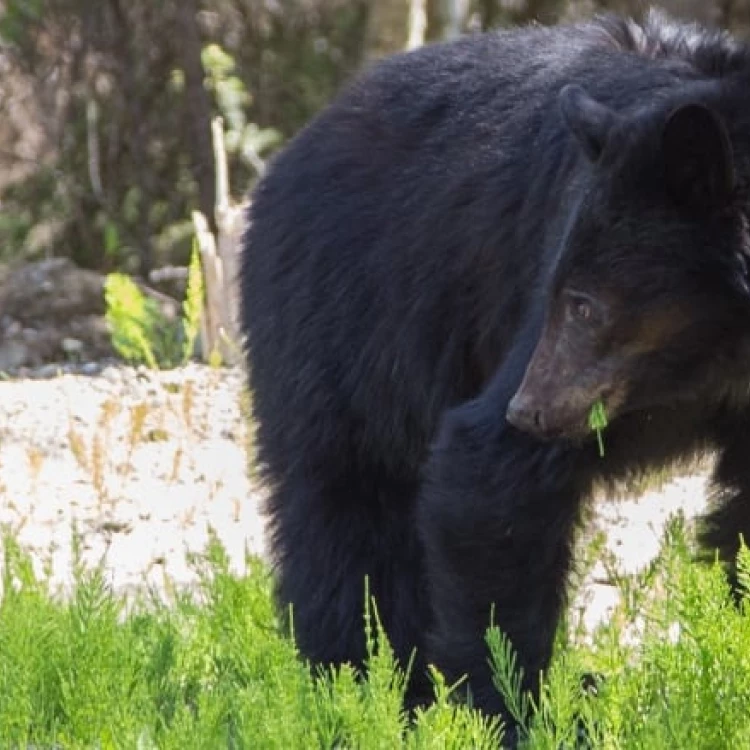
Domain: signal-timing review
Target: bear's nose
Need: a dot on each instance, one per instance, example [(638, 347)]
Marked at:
[(525, 415)]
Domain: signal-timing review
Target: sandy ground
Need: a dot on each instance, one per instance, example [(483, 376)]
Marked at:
[(142, 464)]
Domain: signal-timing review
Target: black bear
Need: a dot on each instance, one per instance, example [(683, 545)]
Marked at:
[(443, 273)]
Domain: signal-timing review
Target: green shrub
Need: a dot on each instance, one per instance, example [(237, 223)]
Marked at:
[(214, 670), (141, 333), (192, 307)]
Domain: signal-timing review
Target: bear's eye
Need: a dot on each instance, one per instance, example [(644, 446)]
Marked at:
[(583, 310), (580, 307)]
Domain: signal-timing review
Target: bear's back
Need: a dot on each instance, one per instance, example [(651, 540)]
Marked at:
[(397, 243)]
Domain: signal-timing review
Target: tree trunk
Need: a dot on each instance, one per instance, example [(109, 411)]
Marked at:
[(447, 18), (735, 15), (199, 112), (387, 28), (417, 23), (694, 10), (131, 73), (489, 13)]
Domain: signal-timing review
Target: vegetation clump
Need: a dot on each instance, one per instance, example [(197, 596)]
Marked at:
[(214, 670)]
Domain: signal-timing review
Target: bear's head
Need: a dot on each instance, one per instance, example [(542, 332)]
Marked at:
[(649, 301)]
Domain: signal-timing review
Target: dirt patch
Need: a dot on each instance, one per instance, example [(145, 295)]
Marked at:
[(142, 464)]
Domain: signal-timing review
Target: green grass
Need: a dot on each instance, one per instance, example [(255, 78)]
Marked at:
[(213, 671)]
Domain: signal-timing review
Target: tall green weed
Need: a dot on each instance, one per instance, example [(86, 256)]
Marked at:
[(141, 333)]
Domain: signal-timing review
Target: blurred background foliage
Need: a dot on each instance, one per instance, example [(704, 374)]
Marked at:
[(105, 142)]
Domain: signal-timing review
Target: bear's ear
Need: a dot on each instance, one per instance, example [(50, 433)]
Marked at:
[(590, 121), (698, 158)]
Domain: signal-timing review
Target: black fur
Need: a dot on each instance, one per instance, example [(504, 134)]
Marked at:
[(405, 255)]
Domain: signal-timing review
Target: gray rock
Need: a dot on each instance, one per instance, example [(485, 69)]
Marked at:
[(13, 354)]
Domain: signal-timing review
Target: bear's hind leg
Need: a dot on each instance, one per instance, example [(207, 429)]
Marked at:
[(328, 539)]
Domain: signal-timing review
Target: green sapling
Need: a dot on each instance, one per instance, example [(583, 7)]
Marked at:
[(597, 422)]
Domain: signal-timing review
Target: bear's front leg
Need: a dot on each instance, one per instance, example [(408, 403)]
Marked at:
[(497, 515)]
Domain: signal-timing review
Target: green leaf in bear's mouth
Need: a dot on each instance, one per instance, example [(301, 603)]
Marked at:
[(598, 422)]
